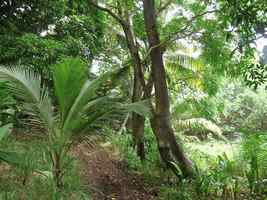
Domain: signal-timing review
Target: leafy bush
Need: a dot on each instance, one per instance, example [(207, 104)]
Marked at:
[(242, 108), (40, 53), (125, 144), (86, 30), (34, 180), (223, 172)]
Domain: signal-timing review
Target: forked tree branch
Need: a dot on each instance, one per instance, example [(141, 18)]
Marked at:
[(173, 36), (164, 7), (107, 10), (247, 42)]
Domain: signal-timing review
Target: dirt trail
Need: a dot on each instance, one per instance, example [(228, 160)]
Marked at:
[(107, 176)]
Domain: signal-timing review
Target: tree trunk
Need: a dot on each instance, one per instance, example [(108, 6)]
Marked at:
[(161, 122), (123, 18), (138, 121), (57, 171)]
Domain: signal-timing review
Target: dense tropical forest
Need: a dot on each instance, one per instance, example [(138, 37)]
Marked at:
[(133, 99)]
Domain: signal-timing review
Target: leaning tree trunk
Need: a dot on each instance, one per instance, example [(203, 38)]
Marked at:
[(138, 121), (161, 122)]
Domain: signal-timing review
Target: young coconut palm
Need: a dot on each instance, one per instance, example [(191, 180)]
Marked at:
[(77, 101)]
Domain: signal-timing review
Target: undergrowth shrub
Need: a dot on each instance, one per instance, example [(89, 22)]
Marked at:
[(225, 171), (254, 151), (240, 107), (33, 180), (152, 161)]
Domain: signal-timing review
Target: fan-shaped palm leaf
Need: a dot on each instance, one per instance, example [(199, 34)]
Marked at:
[(25, 84), (76, 93), (187, 69)]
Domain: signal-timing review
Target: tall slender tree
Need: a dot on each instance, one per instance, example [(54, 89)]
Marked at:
[(161, 121), (123, 18), (170, 150)]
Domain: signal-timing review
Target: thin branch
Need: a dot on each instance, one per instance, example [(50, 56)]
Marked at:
[(244, 44), (173, 36), (163, 7), (189, 23), (110, 12)]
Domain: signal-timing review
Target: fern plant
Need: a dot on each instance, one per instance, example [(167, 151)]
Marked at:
[(255, 153), (78, 105)]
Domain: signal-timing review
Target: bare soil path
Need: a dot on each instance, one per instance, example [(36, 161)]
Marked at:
[(107, 176)]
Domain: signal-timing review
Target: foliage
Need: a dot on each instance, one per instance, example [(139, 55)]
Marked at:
[(247, 15), (254, 150), (86, 30), (12, 158), (8, 107), (255, 75), (192, 84), (202, 42), (221, 169), (76, 97), (241, 108), (66, 29), (25, 16), (124, 143), (17, 183), (200, 127), (42, 52), (31, 50)]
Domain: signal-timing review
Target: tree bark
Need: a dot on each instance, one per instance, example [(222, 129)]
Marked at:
[(169, 149), (138, 121), (139, 82)]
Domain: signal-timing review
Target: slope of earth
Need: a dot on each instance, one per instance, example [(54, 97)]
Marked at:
[(107, 177)]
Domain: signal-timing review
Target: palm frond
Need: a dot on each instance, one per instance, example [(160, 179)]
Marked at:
[(86, 94), (70, 77), (22, 82), (25, 84), (5, 130), (200, 126), (12, 158), (76, 98), (186, 69), (142, 108)]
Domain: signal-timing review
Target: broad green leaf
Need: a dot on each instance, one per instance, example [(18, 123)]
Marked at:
[(12, 158), (69, 79), (5, 130), (86, 95)]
